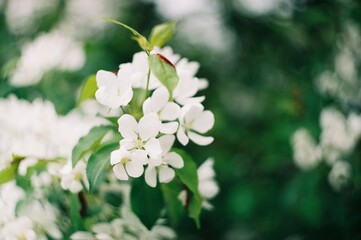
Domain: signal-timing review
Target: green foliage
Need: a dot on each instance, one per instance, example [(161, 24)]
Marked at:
[(161, 34), (175, 209), (88, 90), (164, 71), (74, 213), (97, 165), (89, 142), (147, 203), (8, 174), (188, 176)]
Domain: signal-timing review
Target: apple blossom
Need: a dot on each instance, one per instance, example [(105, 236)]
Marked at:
[(73, 180), (167, 111), (194, 121), (127, 163), (113, 90)]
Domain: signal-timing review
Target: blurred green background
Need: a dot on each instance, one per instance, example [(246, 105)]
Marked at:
[(262, 59)]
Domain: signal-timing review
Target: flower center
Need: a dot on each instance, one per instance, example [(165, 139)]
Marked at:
[(188, 125), (139, 143), (77, 176), (124, 160)]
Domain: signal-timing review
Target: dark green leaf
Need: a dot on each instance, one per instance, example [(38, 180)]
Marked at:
[(175, 209), (188, 176), (164, 71), (161, 34), (89, 89), (147, 202), (97, 165), (88, 142), (75, 208)]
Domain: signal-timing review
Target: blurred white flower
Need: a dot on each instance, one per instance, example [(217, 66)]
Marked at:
[(49, 51), (306, 153), (207, 185), (74, 180), (163, 166), (113, 90), (140, 136), (10, 195), (194, 121), (167, 111), (339, 175), (20, 228)]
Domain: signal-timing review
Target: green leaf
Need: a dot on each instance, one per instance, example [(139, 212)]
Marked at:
[(164, 71), (147, 203), (88, 142), (74, 212), (8, 174), (142, 41), (88, 90), (161, 34), (175, 209), (188, 176), (97, 165)]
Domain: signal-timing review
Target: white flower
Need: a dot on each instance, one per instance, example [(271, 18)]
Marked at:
[(20, 228), (140, 136), (193, 122), (339, 175), (126, 163), (163, 165), (10, 195), (306, 153), (73, 180), (113, 90), (167, 111), (82, 235)]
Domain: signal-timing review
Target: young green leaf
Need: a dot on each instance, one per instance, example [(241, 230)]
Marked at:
[(188, 176), (97, 165), (8, 174), (161, 34), (142, 41), (164, 70), (88, 90), (88, 142)]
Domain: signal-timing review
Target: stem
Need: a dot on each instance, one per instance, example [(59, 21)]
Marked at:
[(84, 205), (147, 86)]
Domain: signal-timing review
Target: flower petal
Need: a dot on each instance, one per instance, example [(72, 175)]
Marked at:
[(119, 172), (169, 127), (174, 160), (106, 79), (166, 142), (153, 148), (140, 156), (106, 98), (128, 127), (147, 106), (182, 137), (204, 122), (159, 99), (151, 176), (134, 169), (170, 112), (199, 139), (166, 174), (194, 112), (149, 126)]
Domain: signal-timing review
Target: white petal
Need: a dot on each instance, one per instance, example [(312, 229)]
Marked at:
[(204, 122), (174, 160), (182, 137), (193, 113), (205, 171), (75, 186), (208, 189), (151, 176), (134, 169), (169, 127), (106, 79), (140, 156), (116, 156), (126, 144), (166, 174), (170, 112), (120, 172), (106, 98), (149, 126), (155, 162), (128, 126), (153, 148), (147, 106), (166, 142), (159, 98), (199, 139)]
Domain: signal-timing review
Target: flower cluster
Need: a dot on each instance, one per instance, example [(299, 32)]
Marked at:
[(148, 136), (338, 138)]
